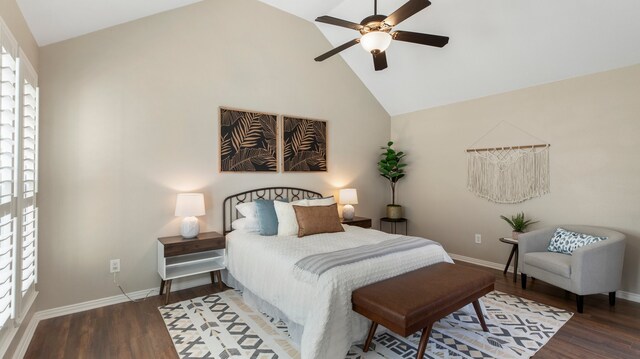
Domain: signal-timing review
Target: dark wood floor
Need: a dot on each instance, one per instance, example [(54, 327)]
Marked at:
[(136, 330)]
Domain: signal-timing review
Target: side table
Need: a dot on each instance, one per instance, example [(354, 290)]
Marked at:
[(393, 222), (514, 252), (357, 221), (181, 257)]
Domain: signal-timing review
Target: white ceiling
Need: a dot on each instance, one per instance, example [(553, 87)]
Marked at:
[(495, 45), (56, 20)]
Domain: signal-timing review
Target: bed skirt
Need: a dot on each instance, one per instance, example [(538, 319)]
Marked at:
[(257, 303)]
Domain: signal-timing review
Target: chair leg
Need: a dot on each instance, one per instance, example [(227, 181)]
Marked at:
[(580, 302), (523, 279), (372, 331), (612, 298)]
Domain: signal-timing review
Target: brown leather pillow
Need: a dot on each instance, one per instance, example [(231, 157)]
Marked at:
[(317, 219)]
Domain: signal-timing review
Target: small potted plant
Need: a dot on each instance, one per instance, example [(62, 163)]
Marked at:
[(392, 169), (518, 223)]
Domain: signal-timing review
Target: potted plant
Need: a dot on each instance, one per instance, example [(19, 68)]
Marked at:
[(518, 223), (392, 169)]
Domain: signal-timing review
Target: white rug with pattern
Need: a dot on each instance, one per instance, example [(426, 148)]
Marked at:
[(223, 326)]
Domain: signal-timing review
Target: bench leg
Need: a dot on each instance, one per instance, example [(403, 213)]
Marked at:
[(372, 331), (476, 306), (424, 339)]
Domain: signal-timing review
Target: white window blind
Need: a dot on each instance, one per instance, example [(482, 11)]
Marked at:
[(8, 120), (28, 154)]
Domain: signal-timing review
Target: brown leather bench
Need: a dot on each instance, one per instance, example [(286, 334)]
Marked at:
[(416, 300)]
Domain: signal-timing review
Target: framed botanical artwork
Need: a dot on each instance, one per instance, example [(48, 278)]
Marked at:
[(248, 141), (304, 145)]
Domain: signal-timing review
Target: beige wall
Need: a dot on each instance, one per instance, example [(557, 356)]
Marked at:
[(12, 16), (129, 118), (593, 126)]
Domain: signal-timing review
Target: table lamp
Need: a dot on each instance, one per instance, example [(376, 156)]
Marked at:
[(190, 205), (348, 196)]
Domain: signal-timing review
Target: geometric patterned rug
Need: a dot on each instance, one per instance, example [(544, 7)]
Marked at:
[(223, 326)]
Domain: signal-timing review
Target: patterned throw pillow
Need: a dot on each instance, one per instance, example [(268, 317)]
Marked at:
[(566, 242)]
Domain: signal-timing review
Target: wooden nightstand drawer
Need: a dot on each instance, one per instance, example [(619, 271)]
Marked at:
[(357, 221), (176, 245)]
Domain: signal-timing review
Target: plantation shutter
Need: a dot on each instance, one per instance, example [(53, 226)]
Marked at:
[(29, 169), (8, 120)]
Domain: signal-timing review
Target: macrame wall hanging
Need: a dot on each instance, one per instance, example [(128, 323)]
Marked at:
[(509, 174)]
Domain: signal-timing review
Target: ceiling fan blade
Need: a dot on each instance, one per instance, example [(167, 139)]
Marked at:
[(419, 38), (339, 22), (406, 11), (344, 46), (380, 61)]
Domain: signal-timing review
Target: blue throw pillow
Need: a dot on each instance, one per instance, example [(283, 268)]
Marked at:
[(566, 242), (267, 218)]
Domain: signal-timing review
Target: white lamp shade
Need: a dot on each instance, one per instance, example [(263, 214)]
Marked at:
[(190, 204), (348, 196), (375, 40)]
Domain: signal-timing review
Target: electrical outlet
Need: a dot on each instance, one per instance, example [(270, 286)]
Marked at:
[(114, 266), (478, 238)]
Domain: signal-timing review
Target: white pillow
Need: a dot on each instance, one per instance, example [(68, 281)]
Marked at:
[(320, 202), (247, 224), (248, 210), (287, 221)]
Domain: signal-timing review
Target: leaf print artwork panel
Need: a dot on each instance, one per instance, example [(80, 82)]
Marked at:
[(248, 141), (305, 145)]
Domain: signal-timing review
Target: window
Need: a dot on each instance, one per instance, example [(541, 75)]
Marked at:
[(28, 120), (18, 185), (8, 161)]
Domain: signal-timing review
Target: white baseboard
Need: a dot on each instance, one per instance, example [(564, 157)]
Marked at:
[(480, 262), (23, 345), (633, 297)]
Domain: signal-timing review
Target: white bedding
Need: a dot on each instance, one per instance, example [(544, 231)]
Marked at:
[(264, 265)]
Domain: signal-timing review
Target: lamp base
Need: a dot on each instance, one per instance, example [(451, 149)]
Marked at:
[(348, 212), (189, 228)]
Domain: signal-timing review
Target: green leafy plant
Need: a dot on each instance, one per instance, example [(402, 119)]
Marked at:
[(391, 168), (518, 222)]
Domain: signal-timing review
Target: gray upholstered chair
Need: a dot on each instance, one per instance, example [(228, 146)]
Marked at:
[(594, 268)]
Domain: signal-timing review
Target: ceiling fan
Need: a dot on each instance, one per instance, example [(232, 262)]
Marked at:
[(376, 32)]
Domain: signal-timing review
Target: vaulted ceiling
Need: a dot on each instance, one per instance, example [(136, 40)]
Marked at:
[(495, 45)]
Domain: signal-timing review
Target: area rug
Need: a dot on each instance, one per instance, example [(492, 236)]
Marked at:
[(223, 326)]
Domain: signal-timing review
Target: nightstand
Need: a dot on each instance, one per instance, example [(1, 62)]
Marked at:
[(181, 257), (357, 221)]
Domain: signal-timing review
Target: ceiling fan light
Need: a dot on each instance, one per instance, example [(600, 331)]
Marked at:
[(377, 41)]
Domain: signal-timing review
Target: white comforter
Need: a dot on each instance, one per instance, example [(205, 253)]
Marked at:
[(264, 265)]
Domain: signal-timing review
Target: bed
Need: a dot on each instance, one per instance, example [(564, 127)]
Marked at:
[(317, 310)]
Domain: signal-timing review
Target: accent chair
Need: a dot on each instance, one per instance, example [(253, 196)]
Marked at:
[(591, 269)]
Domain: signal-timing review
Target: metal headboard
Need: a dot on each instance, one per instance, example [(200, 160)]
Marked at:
[(230, 214)]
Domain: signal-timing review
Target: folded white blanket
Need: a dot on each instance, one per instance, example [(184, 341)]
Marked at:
[(265, 266)]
